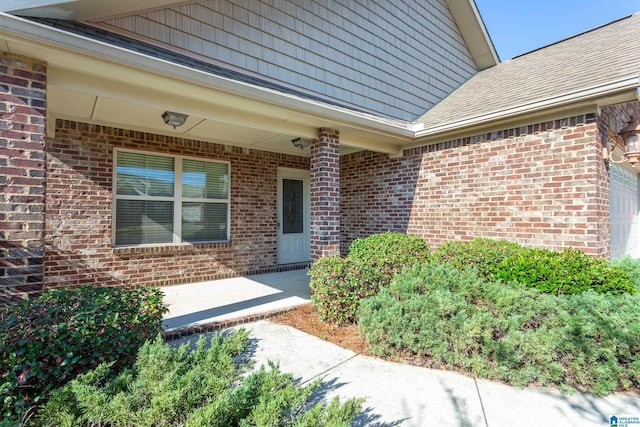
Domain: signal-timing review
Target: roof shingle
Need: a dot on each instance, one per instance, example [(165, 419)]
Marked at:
[(596, 57)]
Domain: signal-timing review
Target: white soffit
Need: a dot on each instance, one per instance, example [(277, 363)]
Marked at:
[(80, 10), (474, 32)]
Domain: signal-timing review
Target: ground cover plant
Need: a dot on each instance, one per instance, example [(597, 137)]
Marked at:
[(507, 332), (206, 386), (47, 341), (339, 284), (631, 266)]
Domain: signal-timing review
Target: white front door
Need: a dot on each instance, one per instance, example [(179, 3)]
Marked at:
[(294, 219)]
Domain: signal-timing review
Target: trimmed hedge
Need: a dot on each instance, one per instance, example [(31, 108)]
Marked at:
[(49, 340), (568, 272), (587, 341), (386, 254), (335, 289), (339, 284), (483, 255)]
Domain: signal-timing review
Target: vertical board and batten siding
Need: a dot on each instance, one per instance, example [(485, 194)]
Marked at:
[(395, 59)]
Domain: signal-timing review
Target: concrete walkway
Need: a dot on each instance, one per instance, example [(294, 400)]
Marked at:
[(396, 394)]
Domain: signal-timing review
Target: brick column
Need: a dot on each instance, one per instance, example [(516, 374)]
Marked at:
[(325, 194), (23, 83)]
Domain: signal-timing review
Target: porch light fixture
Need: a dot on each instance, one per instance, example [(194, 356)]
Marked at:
[(174, 119), (302, 143), (630, 136)]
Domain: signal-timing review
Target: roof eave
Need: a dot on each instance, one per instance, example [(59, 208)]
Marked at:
[(26, 31), (474, 32), (81, 10), (613, 92)]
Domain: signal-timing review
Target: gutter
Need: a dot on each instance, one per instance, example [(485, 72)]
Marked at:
[(25, 31), (625, 84)]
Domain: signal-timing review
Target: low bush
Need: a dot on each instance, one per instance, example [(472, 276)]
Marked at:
[(335, 290), (203, 387), (380, 256), (568, 272), (587, 341), (49, 340), (631, 266), (482, 255), (339, 284)]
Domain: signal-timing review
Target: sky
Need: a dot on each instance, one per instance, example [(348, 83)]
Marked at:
[(520, 26)]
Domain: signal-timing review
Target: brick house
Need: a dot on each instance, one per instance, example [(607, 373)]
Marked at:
[(403, 118)]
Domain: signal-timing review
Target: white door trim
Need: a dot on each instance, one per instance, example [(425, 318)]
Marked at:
[(303, 241)]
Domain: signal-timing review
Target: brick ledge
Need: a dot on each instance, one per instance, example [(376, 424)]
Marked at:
[(168, 248), (177, 333)]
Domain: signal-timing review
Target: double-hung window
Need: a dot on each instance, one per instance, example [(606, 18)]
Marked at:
[(169, 199)]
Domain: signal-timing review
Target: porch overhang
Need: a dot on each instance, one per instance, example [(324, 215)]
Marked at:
[(95, 82)]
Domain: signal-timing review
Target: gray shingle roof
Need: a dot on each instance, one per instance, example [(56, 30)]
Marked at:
[(597, 57)]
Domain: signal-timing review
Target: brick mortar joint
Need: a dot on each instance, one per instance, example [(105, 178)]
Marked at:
[(568, 124)]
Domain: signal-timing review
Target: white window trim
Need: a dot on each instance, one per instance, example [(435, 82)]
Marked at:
[(176, 199)]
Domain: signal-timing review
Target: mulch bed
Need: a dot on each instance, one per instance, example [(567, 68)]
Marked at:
[(306, 319)]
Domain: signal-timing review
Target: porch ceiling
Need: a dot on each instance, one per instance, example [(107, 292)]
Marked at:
[(87, 106), (103, 88), (79, 9), (122, 98)]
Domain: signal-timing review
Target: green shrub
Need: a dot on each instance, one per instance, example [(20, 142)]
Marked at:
[(631, 266), (335, 290), (380, 256), (204, 387), (568, 272), (482, 255), (48, 340), (587, 341), (339, 284)]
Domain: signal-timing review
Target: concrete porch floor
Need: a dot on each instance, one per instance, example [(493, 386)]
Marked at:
[(217, 301)]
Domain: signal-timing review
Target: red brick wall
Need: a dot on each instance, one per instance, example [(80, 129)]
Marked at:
[(78, 217), (23, 84), (377, 194), (616, 117), (543, 185), (325, 194)]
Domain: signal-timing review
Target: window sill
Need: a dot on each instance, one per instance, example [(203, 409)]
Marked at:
[(168, 248)]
